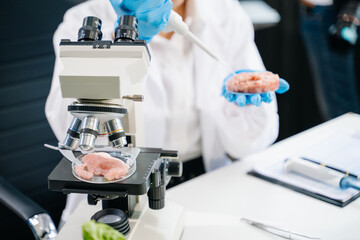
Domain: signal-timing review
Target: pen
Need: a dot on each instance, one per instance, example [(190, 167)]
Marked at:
[(276, 231), (335, 169), (321, 173)]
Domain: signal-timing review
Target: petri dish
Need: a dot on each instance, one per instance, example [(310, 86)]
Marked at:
[(125, 157)]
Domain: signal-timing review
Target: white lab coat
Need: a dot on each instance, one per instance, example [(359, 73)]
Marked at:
[(225, 128)]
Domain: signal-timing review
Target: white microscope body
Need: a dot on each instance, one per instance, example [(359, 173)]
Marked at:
[(105, 78), (110, 77)]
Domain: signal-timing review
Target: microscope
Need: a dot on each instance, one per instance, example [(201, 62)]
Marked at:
[(104, 77)]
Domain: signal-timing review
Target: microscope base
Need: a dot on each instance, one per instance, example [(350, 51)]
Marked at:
[(163, 224), (167, 223)]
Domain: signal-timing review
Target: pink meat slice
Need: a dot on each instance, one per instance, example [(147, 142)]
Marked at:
[(92, 161), (80, 171), (102, 164), (115, 173)]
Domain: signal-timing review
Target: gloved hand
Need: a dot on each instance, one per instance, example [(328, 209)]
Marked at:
[(152, 15), (243, 99)]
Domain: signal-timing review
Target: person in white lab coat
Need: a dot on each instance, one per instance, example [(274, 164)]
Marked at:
[(329, 31), (183, 106)]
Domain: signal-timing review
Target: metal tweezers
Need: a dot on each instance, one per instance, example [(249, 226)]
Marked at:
[(287, 234)]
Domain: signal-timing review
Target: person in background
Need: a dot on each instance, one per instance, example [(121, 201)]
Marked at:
[(185, 105), (329, 33)]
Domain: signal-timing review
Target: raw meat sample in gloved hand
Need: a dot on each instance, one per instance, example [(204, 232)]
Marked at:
[(239, 88), (253, 82), (101, 164)]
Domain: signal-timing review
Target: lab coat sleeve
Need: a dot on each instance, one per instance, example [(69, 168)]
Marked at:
[(245, 130), (56, 106)]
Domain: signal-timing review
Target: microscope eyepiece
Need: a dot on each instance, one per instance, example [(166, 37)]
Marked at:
[(90, 30), (127, 30)]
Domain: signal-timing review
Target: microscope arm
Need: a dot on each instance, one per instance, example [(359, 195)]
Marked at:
[(35, 216)]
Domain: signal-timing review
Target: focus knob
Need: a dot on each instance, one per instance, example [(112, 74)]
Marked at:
[(156, 191), (157, 204)]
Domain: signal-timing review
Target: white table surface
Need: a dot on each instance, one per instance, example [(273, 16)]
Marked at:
[(216, 201)]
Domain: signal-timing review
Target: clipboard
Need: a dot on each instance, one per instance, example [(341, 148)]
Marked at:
[(337, 149), (319, 196)]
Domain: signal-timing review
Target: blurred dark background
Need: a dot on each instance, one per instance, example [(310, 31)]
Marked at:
[(282, 51), (26, 65)]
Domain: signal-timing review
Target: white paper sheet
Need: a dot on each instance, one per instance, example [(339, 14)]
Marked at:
[(339, 149)]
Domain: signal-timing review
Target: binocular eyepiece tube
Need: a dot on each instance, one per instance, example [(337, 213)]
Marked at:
[(90, 30), (127, 31)]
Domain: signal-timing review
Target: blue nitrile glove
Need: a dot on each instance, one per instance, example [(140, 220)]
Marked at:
[(243, 99), (152, 15)]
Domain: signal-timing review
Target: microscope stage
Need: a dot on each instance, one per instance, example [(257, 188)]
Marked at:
[(62, 179)]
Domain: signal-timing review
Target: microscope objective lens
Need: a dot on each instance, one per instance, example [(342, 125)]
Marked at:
[(89, 133), (116, 133), (72, 137)]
